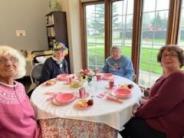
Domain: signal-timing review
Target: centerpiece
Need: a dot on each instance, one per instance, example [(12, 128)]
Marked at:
[(87, 74)]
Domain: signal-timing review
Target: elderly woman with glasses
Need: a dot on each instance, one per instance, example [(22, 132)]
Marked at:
[(161, 114), (17, 117)]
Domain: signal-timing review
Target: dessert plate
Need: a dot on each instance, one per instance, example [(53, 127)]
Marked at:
[(122, 92), (50, 82), (82, 104), (63, 98), (62, 77)]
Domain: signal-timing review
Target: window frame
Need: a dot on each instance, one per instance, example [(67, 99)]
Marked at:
[(171, 36)]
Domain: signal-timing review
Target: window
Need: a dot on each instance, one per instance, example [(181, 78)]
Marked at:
[(181, 30), (154, 30), (122, 16), (95, 35)]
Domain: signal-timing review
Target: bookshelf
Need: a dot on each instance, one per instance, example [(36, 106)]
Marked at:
[(56, 26)]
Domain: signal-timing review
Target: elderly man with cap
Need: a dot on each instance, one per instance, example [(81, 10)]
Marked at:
[(56, 64)]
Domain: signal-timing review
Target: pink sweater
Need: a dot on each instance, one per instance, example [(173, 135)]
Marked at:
[(17, 117), (165, 109)]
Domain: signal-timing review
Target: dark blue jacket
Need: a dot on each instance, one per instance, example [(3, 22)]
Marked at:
[(51, 69)]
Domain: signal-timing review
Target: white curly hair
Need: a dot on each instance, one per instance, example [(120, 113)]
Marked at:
[(21, 67)]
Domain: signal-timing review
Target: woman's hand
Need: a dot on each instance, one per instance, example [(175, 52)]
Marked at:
[(143, 101), (135, 107)]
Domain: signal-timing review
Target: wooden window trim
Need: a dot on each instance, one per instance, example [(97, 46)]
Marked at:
[(83, 31), (136, 35), (173, 21), (108, 27), (83, 35)]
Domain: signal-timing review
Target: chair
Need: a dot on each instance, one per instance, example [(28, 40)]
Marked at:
[(37, 64), (134, 78), (36, 73), (35, 76), (40, 58)]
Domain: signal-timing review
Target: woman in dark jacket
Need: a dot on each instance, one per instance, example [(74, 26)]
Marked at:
[(55, 65)]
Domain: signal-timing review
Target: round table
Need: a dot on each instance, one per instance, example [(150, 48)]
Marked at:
[(103, 119)]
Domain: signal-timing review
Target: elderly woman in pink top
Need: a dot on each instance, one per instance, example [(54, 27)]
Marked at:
[(17, 117)]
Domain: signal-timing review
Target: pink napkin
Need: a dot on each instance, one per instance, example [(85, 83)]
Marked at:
[(51, 95), (110, 97)]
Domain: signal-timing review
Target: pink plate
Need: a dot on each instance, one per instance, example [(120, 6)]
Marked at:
[(50, 82), (63, 77), (63, 98), (107, 76), (122, 92)]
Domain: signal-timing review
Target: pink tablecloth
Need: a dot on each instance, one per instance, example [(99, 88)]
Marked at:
[(68, 128)]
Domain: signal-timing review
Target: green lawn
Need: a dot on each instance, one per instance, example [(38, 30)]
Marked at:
[(148, 58)]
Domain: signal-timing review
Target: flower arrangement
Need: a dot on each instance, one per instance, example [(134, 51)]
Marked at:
[(87, 74)]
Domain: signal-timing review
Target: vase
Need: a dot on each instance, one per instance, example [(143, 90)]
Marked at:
[(54, 5)]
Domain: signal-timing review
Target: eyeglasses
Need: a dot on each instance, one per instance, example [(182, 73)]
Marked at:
[(170, 55), (4, 60)]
